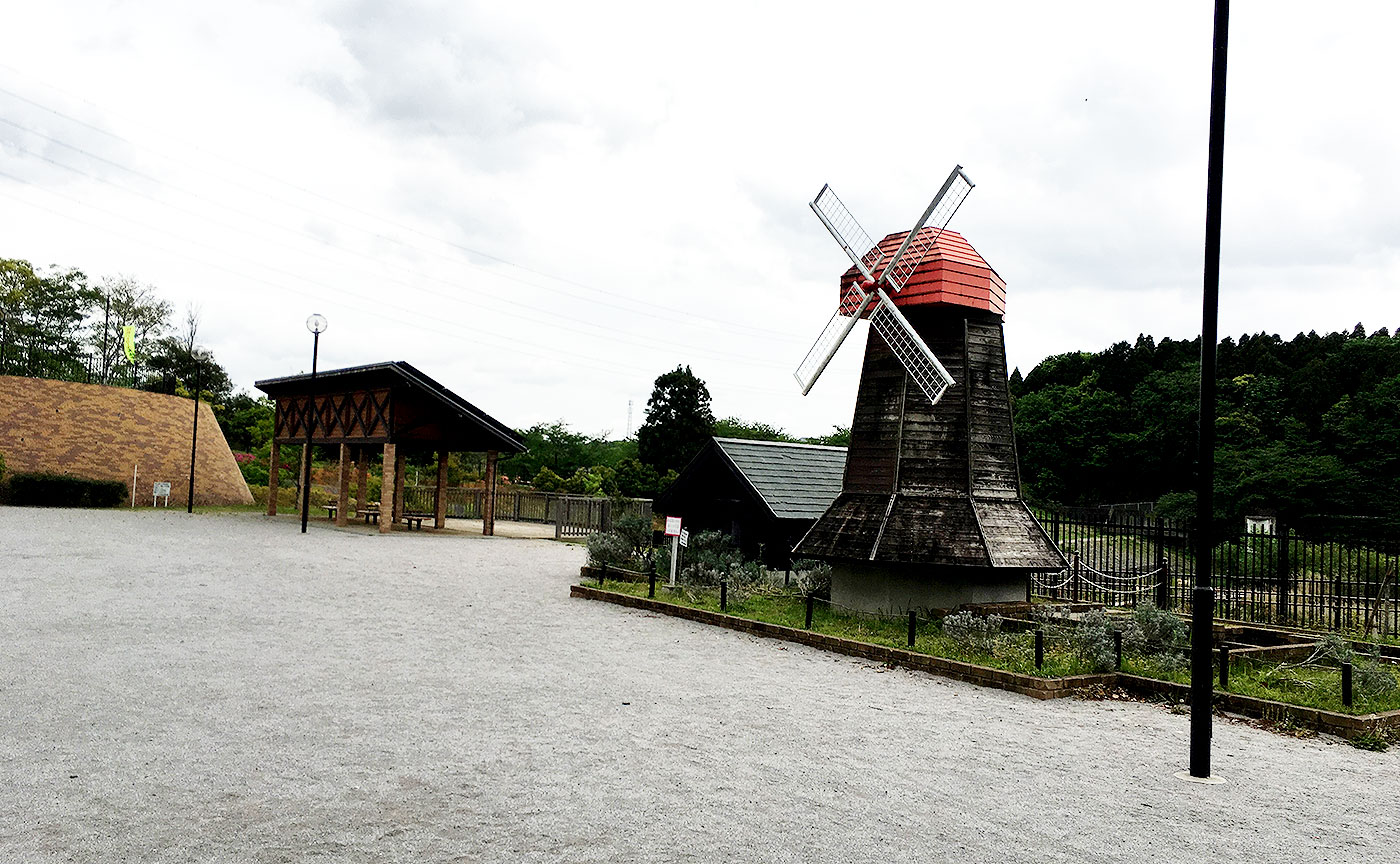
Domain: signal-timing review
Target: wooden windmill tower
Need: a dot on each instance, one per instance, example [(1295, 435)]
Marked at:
[(930, 514)]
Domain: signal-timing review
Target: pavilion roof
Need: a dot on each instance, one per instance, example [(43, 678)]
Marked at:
[(457, 420)]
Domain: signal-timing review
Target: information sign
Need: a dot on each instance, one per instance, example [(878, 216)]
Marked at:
[(673, 526)]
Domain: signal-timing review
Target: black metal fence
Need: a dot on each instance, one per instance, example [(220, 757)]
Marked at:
[(1320, 574), (572, 515)]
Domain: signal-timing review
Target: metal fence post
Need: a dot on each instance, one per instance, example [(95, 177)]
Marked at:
[(1283, 567), (913, 625), (724, 595), (1224, 667), (809, 611), (1039, 647), (1346, 684)]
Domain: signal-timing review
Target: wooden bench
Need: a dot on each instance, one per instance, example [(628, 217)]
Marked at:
[(414, 521), (371, 515)]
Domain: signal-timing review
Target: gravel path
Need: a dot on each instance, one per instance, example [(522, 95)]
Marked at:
[(221, 688)]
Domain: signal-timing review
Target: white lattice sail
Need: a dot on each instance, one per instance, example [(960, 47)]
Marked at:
[(923, 368), (843, 226), (921, 239), (848, 312)]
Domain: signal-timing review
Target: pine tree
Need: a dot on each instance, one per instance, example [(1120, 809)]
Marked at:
[(679, 421)]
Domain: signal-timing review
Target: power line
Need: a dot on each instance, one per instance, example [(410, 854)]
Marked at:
[(666, 312)]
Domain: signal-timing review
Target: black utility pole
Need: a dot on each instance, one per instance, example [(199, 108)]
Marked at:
[(194, 436), (1203, 596)]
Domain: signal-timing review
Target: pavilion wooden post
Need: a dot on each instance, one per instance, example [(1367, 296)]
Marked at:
[(439, 494), (303, 487), (488, 498), (399, 466), (274, 468), (341, 517), (362, 482), (387, 502)]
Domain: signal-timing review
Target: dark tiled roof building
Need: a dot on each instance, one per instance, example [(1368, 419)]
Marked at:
[(764, 494)]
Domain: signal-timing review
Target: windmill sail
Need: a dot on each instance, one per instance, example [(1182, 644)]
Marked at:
[(918, 242), (923, 368), (847, 231), (852, 306)]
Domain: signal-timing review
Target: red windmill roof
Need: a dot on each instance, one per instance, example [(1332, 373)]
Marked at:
[(952, 273)]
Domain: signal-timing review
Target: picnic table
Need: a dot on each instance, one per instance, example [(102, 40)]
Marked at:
[(370, 513)]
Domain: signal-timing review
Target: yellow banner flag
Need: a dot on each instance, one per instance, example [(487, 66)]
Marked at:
[(129, 342)]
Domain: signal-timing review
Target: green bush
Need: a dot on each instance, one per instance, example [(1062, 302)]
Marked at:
[(1092, 641), (813, 577), (710, 557), (973, 632), (1369, 677), (1158, 636), (62, 490), (612, 549)]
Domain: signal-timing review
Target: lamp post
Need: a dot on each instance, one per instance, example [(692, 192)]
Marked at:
[(317, 324)]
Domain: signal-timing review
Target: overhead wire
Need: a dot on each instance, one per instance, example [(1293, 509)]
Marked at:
[(508, 310), (377, 310), (632, 304)]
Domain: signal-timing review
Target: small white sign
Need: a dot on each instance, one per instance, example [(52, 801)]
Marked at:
[(673, 526), (685, 536), (158, 490)]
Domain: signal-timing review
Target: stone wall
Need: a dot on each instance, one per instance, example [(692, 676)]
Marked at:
[(92, 430)]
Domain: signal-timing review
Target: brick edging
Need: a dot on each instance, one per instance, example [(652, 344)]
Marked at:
[(1345, 725), (1029, 685)]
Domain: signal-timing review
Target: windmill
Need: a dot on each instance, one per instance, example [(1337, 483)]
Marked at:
[(930, 513)]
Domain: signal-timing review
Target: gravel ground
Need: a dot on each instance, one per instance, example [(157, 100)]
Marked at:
[(221, 688)]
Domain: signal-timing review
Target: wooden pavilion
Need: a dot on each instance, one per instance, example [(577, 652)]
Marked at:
[(388, 405)]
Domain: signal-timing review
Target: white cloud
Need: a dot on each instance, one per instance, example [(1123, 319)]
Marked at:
[(546, 205)]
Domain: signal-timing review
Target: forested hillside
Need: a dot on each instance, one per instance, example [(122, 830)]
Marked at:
[(1308, 426)]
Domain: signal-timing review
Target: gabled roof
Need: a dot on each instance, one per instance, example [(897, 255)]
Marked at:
[(398, 374), (796, 481)]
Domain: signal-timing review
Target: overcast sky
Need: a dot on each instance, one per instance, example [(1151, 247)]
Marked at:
[(546, 205)]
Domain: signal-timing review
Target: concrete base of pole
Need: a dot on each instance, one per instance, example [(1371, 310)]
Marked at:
[(1202, 679), (1204, 781)]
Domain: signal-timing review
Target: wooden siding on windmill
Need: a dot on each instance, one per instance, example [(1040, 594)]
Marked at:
[(991, 450)]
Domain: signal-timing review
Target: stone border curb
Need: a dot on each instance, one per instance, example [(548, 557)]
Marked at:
[(1345, 725)]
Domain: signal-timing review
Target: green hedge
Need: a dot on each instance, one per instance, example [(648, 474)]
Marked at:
[(61, 490)]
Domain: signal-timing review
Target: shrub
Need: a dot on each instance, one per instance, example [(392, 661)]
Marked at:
[(974, 632), (1092, 641), (612, 549), (1157, 635), (636, 530), (62, 490), (813, 577), (2, 466), (286, 497), (547, 481), (710, 557), (1369, 678)]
